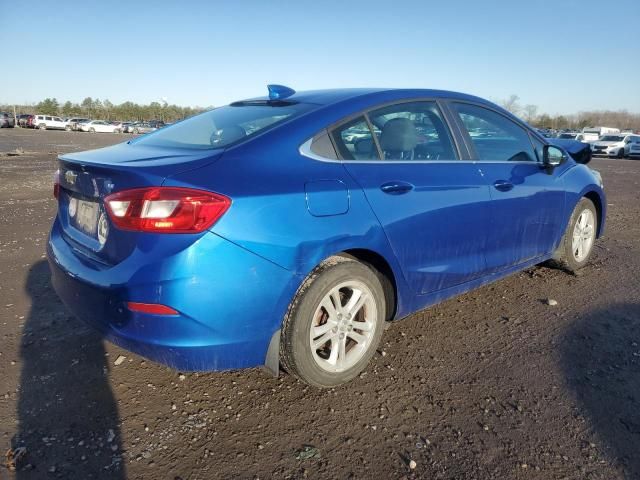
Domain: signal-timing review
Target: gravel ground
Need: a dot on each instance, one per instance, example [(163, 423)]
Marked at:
[(493, 384)]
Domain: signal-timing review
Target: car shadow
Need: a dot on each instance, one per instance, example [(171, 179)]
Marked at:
[(601, 362), (68, 416)]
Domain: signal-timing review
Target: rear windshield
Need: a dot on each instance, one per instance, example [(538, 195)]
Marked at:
[(223, 126)]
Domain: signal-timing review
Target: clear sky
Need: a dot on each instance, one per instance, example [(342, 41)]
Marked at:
[(563, 55)]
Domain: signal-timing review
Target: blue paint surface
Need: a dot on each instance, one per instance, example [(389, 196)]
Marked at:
[(451, 231)]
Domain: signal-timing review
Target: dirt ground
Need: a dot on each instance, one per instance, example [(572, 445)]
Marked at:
[(496, 384)]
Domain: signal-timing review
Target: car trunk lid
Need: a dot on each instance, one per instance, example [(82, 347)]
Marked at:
[(86, 178)]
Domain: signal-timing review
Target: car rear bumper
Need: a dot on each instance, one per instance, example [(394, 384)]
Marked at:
[(229, 302)]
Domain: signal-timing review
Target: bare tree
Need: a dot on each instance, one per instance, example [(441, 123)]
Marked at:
[(530, 112), (512, 104)]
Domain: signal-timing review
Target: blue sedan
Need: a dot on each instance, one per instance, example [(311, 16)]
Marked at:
[(286, 230)]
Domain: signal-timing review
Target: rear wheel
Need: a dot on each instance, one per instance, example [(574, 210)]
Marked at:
[(577, 242), (334, 323)]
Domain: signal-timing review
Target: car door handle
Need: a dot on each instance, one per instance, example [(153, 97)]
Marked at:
[(503, 185), (396, 188)]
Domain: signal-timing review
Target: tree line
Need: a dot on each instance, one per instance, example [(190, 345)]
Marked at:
[(577, 121), (105, 110)]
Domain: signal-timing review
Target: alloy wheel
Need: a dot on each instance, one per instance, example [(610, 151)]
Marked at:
[(583, 235), (343, 326)]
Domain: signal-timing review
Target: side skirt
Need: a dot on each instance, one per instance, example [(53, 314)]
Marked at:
[(421, 302)]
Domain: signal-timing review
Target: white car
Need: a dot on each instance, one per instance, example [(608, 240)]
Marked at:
[(632, 146), (611, 145), (44, 122), (72, 123), (99, 126)]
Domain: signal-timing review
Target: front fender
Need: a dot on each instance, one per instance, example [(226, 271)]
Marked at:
[(581, 182)]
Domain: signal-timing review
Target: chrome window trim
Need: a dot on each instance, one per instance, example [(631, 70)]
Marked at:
[(305, 151)]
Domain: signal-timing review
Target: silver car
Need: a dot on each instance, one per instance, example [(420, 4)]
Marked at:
[(7, 120)]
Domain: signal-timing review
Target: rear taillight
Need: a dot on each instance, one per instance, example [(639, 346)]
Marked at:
[(56, 184), (166, 209)]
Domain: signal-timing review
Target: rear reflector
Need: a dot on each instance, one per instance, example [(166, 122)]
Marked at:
[(166, 209), (151, 308)]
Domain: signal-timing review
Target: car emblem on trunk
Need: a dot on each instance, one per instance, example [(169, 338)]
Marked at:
[(70, 177)]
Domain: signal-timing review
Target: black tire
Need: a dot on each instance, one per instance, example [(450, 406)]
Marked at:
[(564, 256), (296, 354), (621, 153)]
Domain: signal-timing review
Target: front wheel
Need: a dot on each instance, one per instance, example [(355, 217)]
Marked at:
[(577, 242), (92, 130), (621, 153), (334, 324), (42, 126)]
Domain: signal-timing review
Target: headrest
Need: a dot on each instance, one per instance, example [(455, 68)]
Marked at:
[(398, 135)]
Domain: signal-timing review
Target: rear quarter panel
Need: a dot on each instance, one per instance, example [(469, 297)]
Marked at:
[(270, 216)]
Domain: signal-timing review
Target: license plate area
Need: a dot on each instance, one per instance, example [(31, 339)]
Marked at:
[(86, 216)]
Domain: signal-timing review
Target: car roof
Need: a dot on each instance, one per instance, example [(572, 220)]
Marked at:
[(331, 96)]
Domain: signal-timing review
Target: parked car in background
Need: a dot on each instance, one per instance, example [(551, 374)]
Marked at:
[(611, 145), (205, 247), (72, 123), (7, 120), (98, 126), (593, 134), (25, 120), (546, 133), (632, 146), (126, 126), (568, 135), (142, 127), (156, 123), (49, 122)]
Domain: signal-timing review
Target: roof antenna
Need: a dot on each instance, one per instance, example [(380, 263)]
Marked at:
[(278, 92)]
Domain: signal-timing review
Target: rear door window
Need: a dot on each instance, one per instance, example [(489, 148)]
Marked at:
[(495, 137), (413, 131)]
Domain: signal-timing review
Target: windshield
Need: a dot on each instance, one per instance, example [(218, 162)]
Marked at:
[(611, 138), (223, 126)]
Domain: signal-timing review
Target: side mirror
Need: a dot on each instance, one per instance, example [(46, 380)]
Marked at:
[(552, 156)]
